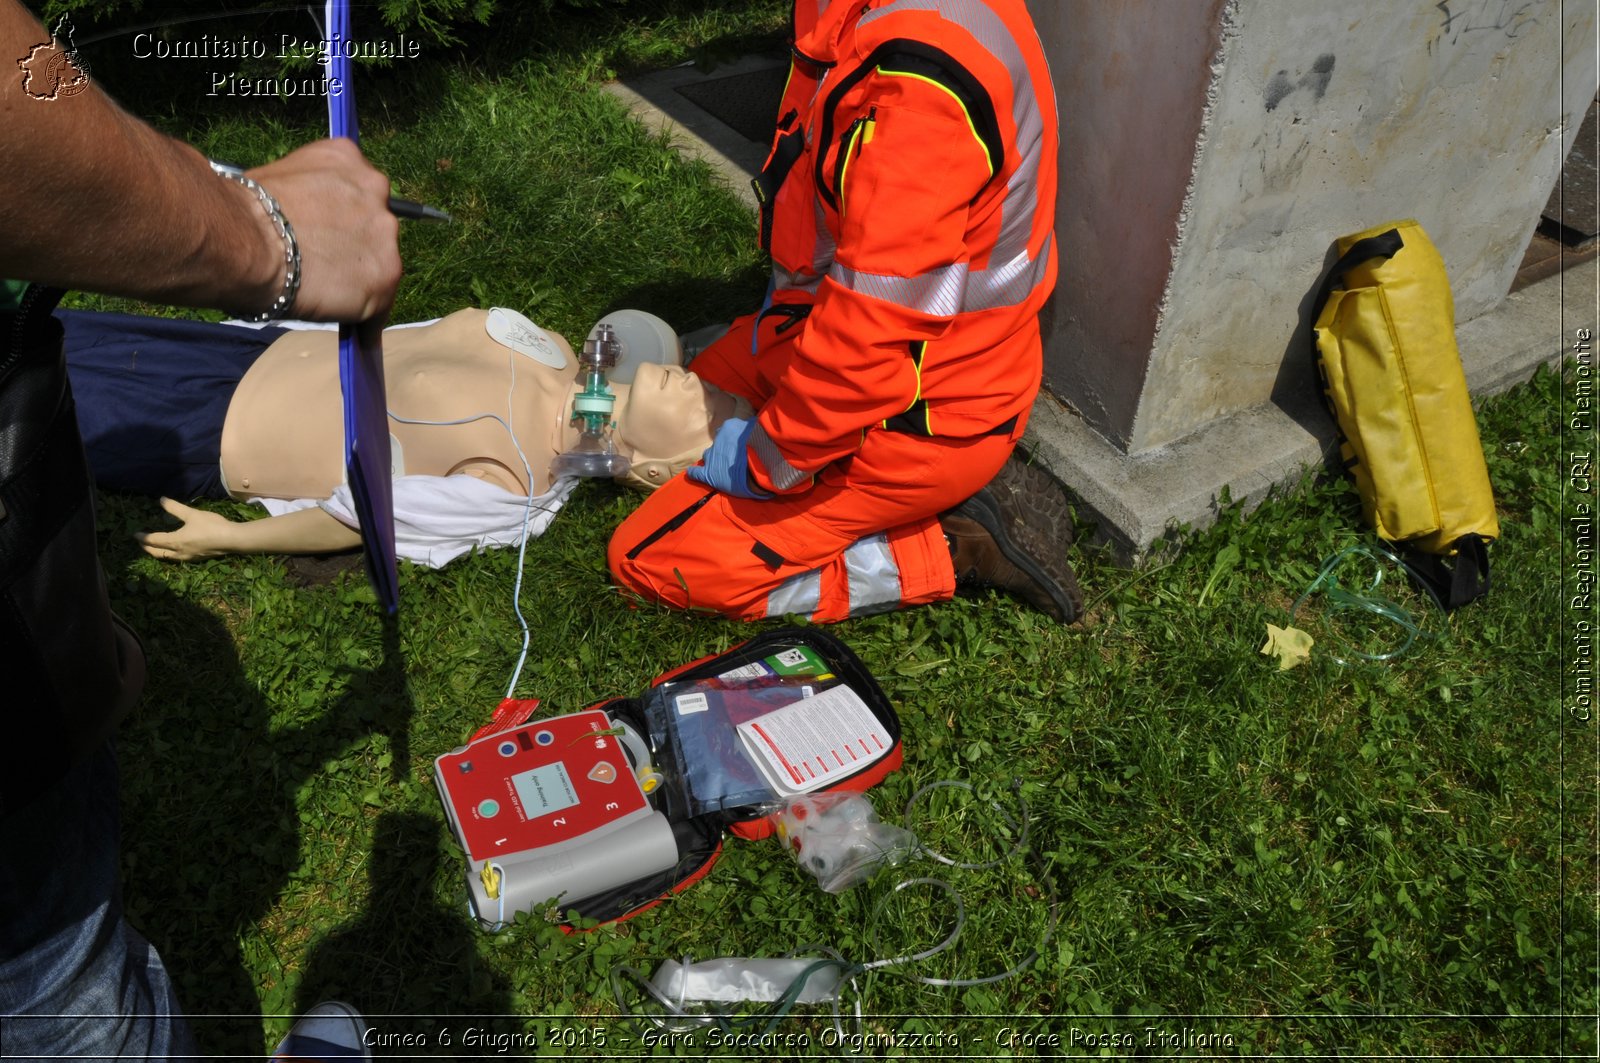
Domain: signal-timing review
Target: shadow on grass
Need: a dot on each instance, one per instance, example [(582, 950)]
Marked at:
[(407, 956), (688, 303), (218, 795)]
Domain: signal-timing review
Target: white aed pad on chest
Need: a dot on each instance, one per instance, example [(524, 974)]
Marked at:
[(551, 810), (511, 329)]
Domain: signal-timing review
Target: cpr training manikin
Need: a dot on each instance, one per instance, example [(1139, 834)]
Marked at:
[(482, 410)]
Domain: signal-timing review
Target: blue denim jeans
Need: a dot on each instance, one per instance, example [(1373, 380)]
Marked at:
[(75, 979)]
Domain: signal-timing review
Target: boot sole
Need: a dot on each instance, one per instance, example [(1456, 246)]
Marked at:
[(1037, 546)]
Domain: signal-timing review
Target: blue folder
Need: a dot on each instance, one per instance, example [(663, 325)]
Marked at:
[(366, 416)]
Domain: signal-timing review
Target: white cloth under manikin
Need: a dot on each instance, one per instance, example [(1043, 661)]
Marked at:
[(439, 518)]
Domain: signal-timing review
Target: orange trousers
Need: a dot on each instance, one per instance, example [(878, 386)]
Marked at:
[(864, 539)]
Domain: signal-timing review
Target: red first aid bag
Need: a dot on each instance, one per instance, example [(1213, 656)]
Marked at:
[(604, 813)]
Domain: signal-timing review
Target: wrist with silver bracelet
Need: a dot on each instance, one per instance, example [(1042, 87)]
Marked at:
[(291, 247)]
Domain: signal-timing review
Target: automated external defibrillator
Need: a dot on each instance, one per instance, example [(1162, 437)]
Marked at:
[(608, 810), (552, 808)]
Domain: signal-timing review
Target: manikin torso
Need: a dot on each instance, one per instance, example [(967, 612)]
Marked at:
[(284, 432)]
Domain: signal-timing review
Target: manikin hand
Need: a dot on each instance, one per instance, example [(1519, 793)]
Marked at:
[(199, 534), (206, 534)]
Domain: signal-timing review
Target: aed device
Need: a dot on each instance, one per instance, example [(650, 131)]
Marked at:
[(553, 809)]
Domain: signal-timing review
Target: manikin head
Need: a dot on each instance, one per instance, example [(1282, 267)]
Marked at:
[(664, 420), (667, 418)]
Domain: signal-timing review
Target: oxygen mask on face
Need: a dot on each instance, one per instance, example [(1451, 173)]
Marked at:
[(595, 453), (614, 350)]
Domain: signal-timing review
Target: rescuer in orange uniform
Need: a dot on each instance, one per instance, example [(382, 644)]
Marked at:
[(908, 205)]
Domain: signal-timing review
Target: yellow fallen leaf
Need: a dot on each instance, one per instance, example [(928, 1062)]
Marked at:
[(1291, 646)]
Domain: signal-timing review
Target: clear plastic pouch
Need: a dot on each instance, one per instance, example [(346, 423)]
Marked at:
[(838, 839), (698, 719)]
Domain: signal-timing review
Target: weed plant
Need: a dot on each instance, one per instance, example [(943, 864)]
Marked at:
[(1369, 860)]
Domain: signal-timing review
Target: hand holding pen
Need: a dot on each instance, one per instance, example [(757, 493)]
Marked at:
[(407, 209)]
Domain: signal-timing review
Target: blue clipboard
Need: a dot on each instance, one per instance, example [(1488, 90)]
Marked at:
[(366, 416)]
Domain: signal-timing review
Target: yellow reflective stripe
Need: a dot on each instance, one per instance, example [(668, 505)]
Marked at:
[(844, 163), (971, 128), (916, 363)]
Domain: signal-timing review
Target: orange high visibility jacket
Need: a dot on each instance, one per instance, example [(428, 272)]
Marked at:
[(908, 205)]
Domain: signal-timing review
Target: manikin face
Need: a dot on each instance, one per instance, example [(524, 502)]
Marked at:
[(668, 411), (667, 418)]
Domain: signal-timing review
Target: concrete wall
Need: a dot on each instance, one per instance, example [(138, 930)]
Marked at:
[(1213, 150), (1131, 79)]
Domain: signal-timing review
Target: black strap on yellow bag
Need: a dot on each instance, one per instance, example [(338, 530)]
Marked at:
[(1385, 349)]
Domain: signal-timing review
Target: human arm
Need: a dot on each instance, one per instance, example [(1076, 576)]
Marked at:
[(93, 198), (202, 534), (903, 213), (725, 465)]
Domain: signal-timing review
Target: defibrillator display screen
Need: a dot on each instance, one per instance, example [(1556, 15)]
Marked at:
[(544, 790)]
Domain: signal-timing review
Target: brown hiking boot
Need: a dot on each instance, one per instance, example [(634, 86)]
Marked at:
[(1013, 535)]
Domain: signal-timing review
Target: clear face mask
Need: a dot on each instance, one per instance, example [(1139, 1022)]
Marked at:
[(595, 453), (615, 348)]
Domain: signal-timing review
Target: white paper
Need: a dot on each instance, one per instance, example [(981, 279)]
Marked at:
[(809, 745)]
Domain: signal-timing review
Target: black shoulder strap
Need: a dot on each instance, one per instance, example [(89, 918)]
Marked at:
[(1384, 245), (785, 153), (1454, 581)]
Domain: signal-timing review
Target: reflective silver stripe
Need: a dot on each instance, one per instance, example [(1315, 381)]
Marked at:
[(874, 577), (989, 30), (953, 289), (783, 280), (823, 250), (1008, 283), (940, 292), (779, 471), (797, 594)]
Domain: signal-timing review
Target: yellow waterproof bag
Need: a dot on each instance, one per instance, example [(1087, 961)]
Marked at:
[(1386, 352)]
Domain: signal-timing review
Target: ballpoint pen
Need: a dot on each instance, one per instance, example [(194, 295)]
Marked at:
[(401, 208), (411, 209)]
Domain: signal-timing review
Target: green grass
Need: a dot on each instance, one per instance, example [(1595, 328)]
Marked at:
[(1371, 860)]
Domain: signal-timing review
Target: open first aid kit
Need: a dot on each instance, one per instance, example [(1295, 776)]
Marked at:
[(607, 811), (1385, 347)]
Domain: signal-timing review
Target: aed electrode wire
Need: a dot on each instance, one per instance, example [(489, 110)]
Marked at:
[(527, 509), (1341, 599), (779, 1009)]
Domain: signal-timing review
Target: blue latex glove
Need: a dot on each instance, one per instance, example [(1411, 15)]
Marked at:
[(725, 465)]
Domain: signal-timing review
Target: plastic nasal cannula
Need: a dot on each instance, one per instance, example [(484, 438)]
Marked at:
[(783, 983)]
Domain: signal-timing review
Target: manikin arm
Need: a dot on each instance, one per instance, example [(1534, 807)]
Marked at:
[(437, 519), (206, 534)]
